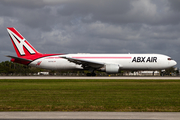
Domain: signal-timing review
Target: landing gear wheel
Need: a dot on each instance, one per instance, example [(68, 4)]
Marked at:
[(162, 74), (88, 74), (93, 74)]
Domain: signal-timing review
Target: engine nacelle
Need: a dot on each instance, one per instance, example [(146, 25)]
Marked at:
[(111, 68)]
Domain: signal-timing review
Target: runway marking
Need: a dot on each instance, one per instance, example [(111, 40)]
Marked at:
[(89, 115)]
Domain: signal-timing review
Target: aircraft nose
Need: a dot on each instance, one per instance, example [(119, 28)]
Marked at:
[(175, 63), (172, 63)]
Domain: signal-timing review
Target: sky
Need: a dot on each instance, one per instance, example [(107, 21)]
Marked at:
[(93, 26)]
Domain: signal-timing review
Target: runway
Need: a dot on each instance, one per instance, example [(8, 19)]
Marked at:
[(90, 115), (82, 77)]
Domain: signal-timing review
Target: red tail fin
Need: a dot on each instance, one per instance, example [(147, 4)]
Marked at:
[(24, 50), (21, 45)]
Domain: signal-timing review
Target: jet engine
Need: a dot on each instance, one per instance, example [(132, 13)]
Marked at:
[(110, 68)]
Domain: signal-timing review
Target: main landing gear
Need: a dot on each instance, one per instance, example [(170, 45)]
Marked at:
[(91, 74)]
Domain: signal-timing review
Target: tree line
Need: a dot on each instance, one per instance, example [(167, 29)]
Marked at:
[(7, 67)]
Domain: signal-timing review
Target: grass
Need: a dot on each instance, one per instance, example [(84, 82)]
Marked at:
[(90, 95)]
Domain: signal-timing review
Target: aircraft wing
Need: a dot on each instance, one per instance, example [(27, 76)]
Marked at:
[(85, 63), (20, 59)]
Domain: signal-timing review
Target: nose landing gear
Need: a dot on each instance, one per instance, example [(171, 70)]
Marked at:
[(162, 73)]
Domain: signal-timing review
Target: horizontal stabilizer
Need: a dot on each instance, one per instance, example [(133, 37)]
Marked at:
[(18, 58)]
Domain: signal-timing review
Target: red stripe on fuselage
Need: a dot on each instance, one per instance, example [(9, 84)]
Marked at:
[(92, 57), (102, 57)]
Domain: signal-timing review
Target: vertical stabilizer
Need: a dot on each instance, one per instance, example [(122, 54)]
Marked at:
[(21, 45)]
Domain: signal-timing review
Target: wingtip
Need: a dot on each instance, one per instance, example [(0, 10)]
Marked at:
[(7, 55)]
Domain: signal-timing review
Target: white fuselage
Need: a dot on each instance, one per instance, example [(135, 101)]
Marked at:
[(124, 61)]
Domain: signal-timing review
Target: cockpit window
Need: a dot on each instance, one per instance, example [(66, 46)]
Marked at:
[(169, 59)]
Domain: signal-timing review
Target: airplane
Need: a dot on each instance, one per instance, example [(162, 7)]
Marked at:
[(109, 63)]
